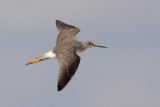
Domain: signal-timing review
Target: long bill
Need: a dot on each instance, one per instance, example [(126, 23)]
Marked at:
[(99, 46)]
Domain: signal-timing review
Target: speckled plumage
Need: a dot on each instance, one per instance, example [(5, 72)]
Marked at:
[(65, 51)]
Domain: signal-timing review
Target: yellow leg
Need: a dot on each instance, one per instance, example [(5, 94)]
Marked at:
[(32, 62)]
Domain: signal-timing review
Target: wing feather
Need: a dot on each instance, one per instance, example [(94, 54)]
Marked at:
[(66, 31), (68, 63)]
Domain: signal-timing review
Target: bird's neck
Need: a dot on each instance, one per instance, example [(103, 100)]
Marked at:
[(81, 49)]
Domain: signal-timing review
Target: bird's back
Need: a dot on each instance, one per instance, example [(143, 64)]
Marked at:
[(66, 46)]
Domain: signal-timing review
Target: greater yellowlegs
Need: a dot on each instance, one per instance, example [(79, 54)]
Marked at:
[(66, 50)]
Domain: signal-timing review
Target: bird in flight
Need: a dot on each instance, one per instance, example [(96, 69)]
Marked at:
[(66, 52)]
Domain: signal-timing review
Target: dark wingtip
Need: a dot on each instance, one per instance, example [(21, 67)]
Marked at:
[(61, 25), (58, 88), (58, 22)]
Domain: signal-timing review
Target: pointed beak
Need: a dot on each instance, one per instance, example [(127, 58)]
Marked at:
[(99, 46)]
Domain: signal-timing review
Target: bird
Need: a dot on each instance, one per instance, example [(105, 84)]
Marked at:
[(66, 52)]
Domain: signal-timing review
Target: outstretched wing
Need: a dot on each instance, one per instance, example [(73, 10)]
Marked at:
[(66, 31), (68, 64)]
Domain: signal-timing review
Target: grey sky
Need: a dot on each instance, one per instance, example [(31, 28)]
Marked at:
[(124, 75)]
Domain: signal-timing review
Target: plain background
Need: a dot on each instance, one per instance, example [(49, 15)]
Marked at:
[(126, 74)]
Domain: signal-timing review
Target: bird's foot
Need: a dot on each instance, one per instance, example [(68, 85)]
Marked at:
[(32, 62)]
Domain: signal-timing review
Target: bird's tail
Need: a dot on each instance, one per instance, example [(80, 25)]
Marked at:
[(48, 55)]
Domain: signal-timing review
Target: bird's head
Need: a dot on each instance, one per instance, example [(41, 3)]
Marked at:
[(89, 44)]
